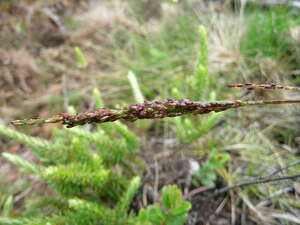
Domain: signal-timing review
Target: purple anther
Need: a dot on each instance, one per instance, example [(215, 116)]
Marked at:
[(157, 107), (172, 104), (146, 102), (133, 107), (140, 107), (158, 115), (158, 102), (268, 87), (163, 109), (200, 105), (144, 112), (188, 102), (222, 105)]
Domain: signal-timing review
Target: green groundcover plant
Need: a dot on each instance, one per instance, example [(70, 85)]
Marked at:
[(89, 175), (84, 167), (92, 175)]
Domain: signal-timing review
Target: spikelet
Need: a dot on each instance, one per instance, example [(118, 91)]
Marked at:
[(160, 109)]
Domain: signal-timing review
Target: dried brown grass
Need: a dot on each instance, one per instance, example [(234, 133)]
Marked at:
[(20, 77)]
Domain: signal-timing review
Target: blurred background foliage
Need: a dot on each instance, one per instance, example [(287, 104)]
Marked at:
[(59, 54)]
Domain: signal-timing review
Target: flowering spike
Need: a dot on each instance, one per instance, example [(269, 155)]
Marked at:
[(159, 109), (250, 86), (170, 108)]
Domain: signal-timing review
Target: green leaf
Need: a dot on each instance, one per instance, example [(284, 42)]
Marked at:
[(138, 95), (210, 122), (182, 209), (81, 59), (175, 93), (143, 217), (153, 214), (41, 147), (171, 197), (126, 199), (176, 220), (71, 110), (98, 98), (201, 71), (203, 41), (11, 221), (8, 205), (22, 163), (202, 81)]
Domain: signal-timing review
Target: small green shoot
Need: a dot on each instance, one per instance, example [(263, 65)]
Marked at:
[(81, 59), (172, 211), (98, 98), (8, 206), (206, 175), (199, 82), (138, 95)]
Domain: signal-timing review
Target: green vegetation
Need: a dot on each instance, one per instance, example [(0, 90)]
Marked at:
[(267, 31), (151, 54), (173, 210), (80, 173), (216, 161), (81, 59), (88, 171), (126, 52)]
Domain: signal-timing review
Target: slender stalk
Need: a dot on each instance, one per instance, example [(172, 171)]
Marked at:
[(251, 182), (257, 180), (250, 86)]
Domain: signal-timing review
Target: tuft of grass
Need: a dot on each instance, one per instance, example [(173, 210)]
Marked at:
[(265, 34), (166, 52)]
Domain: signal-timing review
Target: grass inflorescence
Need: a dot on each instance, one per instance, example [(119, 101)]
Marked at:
[(250, 86), (158, 109)]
